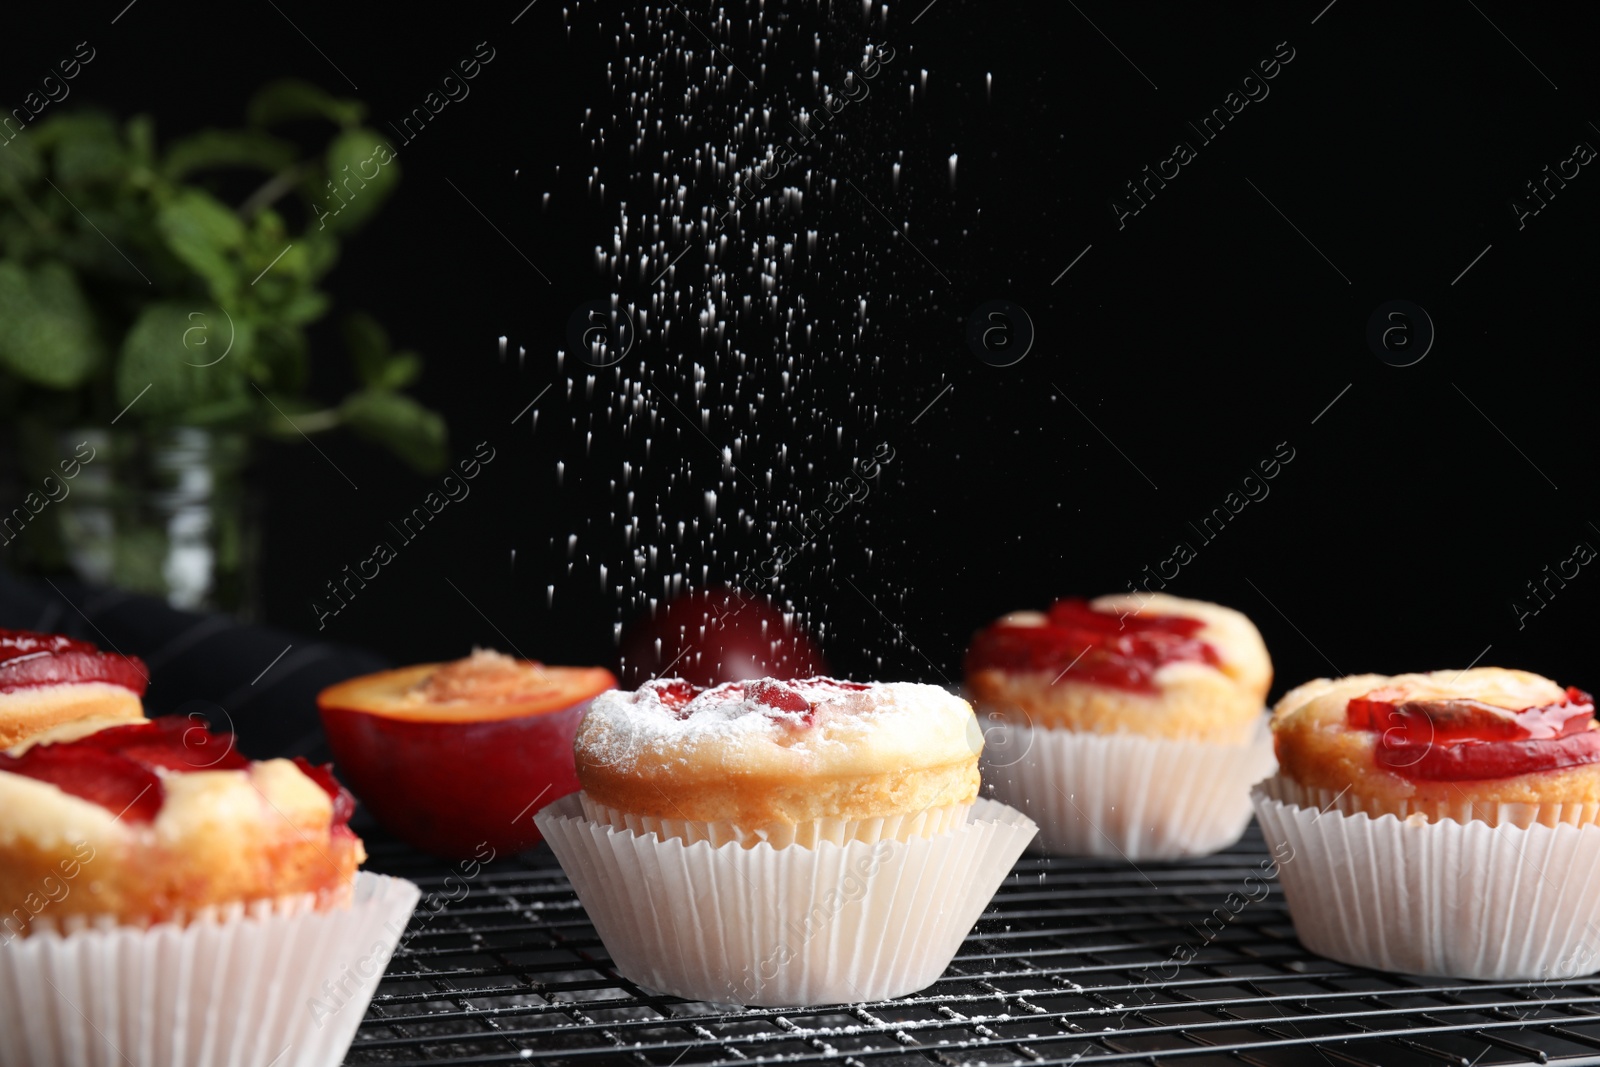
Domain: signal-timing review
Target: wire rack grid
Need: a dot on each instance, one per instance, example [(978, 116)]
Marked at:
[(1075, 961)]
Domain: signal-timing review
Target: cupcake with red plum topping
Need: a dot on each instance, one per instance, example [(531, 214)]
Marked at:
[(50, 679), (1153, 664), (1496, 745), (155, 849), (178, 822), (782, 842), (780, 762), (1444, 823), (1127, 726)]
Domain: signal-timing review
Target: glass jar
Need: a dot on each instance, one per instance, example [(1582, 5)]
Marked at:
[(160, 511)]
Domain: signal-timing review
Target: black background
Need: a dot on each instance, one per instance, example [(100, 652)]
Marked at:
[(1191, 342)]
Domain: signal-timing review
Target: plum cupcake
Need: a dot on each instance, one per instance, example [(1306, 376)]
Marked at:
[(50, 679), (169, 901), (782, 842), (1442, 823), (1127, 726)]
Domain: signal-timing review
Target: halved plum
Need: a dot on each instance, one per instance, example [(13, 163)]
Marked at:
[(453, 757)]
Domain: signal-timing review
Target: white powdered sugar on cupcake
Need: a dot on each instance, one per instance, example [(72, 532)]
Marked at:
[(822, 725)]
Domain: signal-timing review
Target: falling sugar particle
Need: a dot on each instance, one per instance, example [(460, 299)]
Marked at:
[(716, 249)]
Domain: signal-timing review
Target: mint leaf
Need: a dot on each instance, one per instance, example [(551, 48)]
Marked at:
[(290, 98), (46, 328), (368, 343), (400, 424), (188, 356), (304, 307), (19, 163), (202, 232), (378, 367), (280, 357), (401, 370), (226, 148), (88, 147), (361, 180), (141, 134)]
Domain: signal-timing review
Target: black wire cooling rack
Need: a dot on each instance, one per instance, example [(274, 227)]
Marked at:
[(1076, 961)]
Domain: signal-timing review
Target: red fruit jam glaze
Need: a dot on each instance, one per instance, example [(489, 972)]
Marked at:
[(29, 660), (344, 802), (676, 693), (117, 767), (782, 699), (1461, 740), (1100, 647)]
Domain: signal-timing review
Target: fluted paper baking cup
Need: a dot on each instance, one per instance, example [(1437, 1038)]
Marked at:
[(1447, 898), (1126, 796), (806, 834), (1460, 808), (278, 983), (784, 927)]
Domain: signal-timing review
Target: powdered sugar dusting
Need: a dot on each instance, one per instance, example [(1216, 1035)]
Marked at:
[(797, 701), (671, 720)]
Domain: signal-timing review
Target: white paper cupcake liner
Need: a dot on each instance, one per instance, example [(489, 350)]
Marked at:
[(276, 983), (1461, 809), (784, 926), (808, 834), (1126, 796), (1448, 898)]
